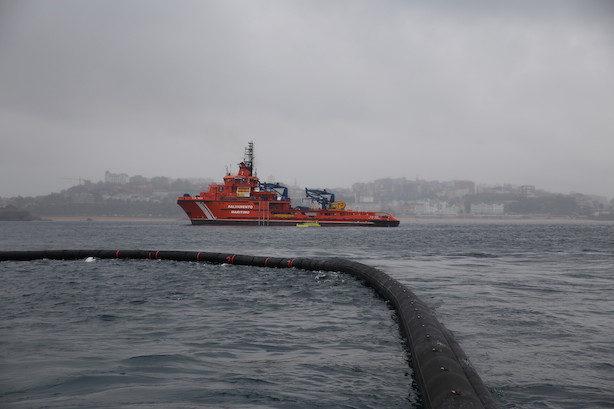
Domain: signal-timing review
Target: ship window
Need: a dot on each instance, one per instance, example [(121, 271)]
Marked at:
[(220, 188)]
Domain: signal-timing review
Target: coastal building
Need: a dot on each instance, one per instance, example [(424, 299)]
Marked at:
[(435, 208), (527, 191), (116, 178), (487, 209)]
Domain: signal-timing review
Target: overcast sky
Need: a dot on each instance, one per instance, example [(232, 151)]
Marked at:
[(331, 92)]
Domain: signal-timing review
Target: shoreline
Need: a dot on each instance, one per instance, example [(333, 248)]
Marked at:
[(525, 219), (108, 219)]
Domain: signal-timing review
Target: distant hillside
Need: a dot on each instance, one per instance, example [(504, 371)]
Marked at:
[(12, 213), (137, 196)]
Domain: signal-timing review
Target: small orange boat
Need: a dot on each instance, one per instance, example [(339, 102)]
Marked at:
[(243, 200)]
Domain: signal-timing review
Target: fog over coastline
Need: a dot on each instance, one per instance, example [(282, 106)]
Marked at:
[(331, 92)]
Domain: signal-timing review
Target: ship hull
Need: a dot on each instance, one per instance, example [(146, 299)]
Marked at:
[(259, 213), (255, 222)]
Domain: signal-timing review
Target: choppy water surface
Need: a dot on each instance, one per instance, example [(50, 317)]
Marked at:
[(532, 305)]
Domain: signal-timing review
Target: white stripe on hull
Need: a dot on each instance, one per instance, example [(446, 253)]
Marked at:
[(207, 212)]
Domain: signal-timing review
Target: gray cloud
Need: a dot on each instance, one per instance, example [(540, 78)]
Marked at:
[(331, 92)]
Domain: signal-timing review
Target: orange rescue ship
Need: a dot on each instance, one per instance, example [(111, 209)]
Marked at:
[(243, 200)]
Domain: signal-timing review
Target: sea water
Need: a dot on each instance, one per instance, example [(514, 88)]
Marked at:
[(531, 304)]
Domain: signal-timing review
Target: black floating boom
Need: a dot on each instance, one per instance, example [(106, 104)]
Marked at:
[(444, 375)]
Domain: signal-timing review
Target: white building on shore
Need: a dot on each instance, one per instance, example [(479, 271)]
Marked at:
[(487, 209)]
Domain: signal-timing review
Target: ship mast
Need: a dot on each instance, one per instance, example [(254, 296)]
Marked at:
[(248, 158)]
